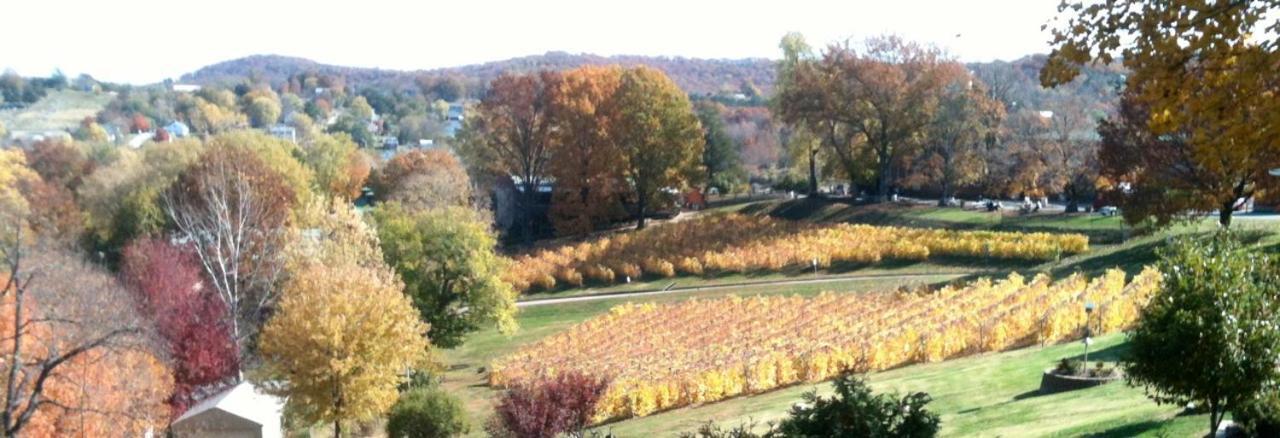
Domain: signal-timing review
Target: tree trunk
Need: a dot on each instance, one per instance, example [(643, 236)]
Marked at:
[(640, 206), (1224, 214), (529, 196), (882, 180), (813, 171), (946, 192), (1215, 417), (337, 428)]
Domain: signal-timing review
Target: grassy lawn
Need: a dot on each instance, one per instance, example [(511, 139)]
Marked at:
[(987, 395), (61, 109)]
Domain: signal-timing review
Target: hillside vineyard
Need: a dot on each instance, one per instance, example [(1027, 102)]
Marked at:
[(740, 244), (660, 357)]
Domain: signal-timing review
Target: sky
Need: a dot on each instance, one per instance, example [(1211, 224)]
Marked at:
[(145, 41)]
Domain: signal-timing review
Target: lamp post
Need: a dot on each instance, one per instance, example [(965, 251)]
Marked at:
[(1088, 311)]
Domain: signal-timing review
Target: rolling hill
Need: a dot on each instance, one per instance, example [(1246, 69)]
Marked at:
[(696, 76)]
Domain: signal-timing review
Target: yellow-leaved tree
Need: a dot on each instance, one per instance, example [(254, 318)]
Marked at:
[(344, 334)]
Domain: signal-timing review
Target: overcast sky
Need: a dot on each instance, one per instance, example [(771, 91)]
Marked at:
[(144, 41)]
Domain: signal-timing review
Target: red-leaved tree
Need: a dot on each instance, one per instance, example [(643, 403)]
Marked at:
[(187, 314), (562, 405)]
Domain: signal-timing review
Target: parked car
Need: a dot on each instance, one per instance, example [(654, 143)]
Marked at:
[(1108, 210)]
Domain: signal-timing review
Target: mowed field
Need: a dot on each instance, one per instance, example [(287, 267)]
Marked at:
[(989, 394), (60, 110)]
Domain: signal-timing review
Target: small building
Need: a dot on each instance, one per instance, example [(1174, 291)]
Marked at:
[(177, 129), (141, 138), (238, 411), (186, 88), (284, 131)]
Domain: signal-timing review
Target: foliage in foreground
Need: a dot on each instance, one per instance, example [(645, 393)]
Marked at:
[(666, 356), (853, 411), (427, 412), (565, 404), (1209, 335)]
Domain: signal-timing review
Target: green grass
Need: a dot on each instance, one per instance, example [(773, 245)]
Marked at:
[(1100, 229), (59, 110), (987, 395)]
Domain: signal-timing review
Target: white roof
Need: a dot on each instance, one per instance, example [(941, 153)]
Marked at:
[(238, 407), (138, 140)]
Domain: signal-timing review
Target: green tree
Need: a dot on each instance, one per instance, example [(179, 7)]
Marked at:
[(1209, 334), (361, 110), (854, 411), (446, 258), (339, 167), (796, 54), (262, 108), (427, 413), (659, 135), (720, 154)]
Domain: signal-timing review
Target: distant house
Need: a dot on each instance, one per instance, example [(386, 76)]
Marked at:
[(177, 129), (186, 88), (426, 143), (141, 138), (451, 128), (238, 411), (284, 131), (390, 142)]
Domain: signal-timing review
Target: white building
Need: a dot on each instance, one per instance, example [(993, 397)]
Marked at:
[(240, 411)]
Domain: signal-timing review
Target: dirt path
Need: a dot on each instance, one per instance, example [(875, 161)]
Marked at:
[(672, 289)]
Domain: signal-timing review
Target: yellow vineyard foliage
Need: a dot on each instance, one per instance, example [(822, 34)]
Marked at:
[(740, 243), (660, 357)]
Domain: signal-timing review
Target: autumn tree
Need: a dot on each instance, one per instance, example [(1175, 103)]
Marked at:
[(234, 210), (262, 107), (123, 201), (966, 120), (660, 138), (1071, 152), (77, 357), (59, 163), (1203, 72), (90, 131), (139, 123), (514, 136), (344, 335), (340, 169), (875, 100), (586, 161), (424, 179), (447, 260), (188, 316), (279, 155), (721, 156)]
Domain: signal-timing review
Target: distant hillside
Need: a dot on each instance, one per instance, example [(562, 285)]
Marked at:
[(696, 76)]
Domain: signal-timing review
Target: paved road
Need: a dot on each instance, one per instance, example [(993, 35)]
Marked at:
[(686, 289)]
